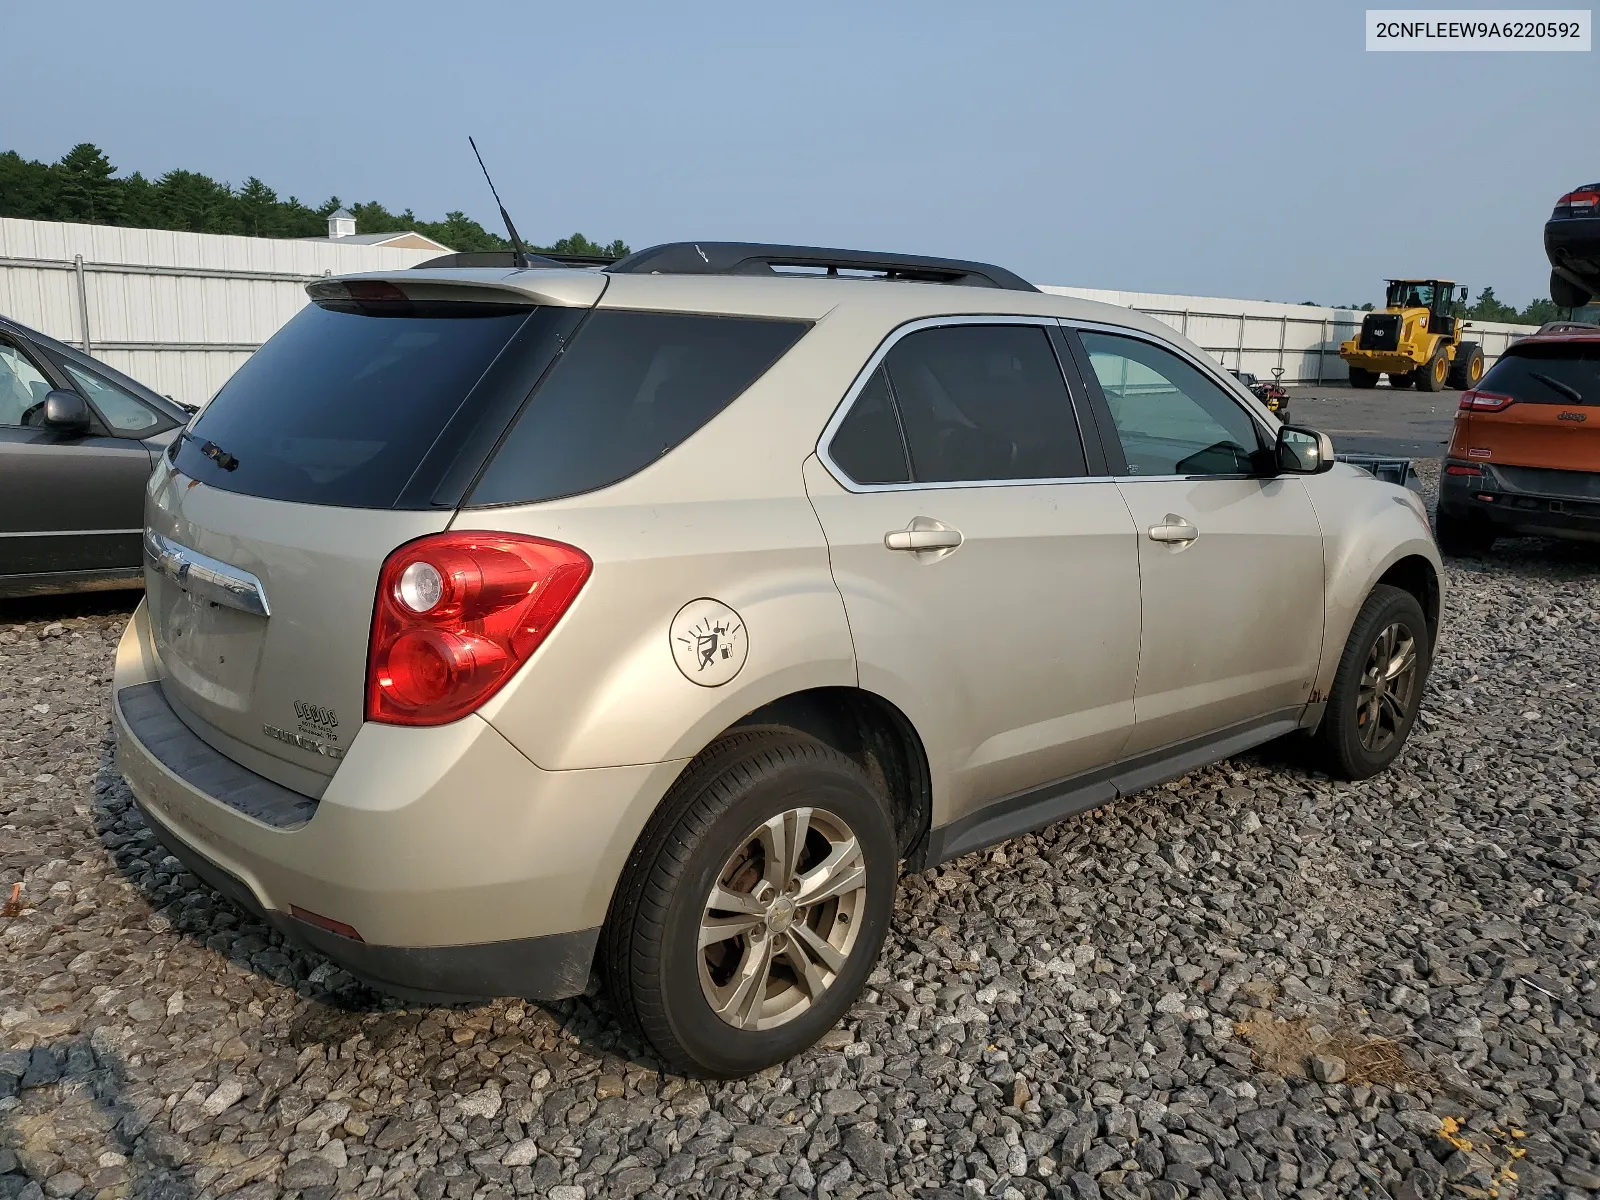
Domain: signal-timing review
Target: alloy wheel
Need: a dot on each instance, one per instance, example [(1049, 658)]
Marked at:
[(782, 918), (1388, 682)]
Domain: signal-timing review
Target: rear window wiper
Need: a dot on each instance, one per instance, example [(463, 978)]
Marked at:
[(1566, 389)]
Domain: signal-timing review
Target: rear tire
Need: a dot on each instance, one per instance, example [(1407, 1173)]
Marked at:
[(1431, 375), (1361, 378), (719, 835), (1467, 369), (1566, 294), (1461, 537), (1378, 688), (1403, 380)]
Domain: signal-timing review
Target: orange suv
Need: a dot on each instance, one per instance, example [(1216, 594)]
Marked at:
[(1525, 455)]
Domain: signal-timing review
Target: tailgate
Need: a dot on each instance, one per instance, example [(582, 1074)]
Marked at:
[(261, 611)]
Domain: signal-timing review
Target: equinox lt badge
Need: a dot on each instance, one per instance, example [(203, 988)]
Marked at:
[(305, 743)]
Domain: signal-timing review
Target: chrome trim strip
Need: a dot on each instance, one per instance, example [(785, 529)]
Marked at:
[(204, 576), (864, 376)]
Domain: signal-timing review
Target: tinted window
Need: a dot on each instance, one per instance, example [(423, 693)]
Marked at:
[(119, 410), (1171, 418), (1558, 373), (631, 387), (868, 446), (22, 389), (984, 402), (340, 407)]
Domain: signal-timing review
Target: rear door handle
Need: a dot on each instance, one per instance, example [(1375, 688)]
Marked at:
[(924, 537), (1173, 529)]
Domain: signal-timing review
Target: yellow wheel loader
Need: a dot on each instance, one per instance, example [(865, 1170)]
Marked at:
[(1414, 340)]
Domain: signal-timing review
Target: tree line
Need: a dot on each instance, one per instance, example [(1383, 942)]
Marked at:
[(83, 185)]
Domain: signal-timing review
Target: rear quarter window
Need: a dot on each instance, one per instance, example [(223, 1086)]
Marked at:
[(631, 387), (1554, 373)]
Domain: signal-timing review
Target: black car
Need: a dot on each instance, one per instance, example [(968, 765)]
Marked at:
[(1572, 244), (78, 440)]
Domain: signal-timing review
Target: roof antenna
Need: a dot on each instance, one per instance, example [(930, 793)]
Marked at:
[(521, 255)]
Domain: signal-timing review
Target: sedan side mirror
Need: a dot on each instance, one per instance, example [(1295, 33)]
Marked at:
[(1303, 451), (66, 412)]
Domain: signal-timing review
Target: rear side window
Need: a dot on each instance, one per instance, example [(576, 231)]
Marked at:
[(630, 388), (340, 407), (869, 446), (1557, 373), (984, 402)]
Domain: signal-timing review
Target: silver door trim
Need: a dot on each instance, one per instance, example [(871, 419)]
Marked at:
[(204, 576)]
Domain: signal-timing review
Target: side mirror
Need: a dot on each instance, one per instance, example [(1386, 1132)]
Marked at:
[(1303, 451), (66, 412)]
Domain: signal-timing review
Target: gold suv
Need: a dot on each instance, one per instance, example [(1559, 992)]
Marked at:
[(508, 625)]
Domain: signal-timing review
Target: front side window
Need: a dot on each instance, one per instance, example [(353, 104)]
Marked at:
[(22, 389), (117, 408), (984, 403), (1171, 418)]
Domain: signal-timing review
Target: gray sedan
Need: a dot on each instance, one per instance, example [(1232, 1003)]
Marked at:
[(77, 442)]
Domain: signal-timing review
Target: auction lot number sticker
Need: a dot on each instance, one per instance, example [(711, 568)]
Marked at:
[(1542, 29)]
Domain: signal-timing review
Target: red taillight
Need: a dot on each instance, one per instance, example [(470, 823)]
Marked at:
[(1461, 469), (1583, 199), (457, 614), (1485, 401)]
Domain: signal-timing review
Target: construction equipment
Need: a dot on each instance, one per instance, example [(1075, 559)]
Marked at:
[(1414, 340)]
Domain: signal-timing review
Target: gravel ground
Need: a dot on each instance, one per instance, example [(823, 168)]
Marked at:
[(1251, 982)]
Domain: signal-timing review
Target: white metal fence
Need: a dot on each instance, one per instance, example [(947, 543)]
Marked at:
[(177, 311), (1258, 335), (182, 311)]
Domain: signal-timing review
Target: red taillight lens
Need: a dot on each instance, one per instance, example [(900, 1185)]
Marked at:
[(1460, 469), (1584, 199), (1485, 401), (457, 614)]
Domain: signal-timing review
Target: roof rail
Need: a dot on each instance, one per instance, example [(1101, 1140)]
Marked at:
[(755, 258), (508, 258)]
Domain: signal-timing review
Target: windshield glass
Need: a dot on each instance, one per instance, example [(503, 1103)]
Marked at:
[(340, 407), (1553, 373), (1404, 294)]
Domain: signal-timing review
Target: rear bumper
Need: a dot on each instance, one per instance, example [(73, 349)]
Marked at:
[(1570, 512), (1572, 245), (465, 870)]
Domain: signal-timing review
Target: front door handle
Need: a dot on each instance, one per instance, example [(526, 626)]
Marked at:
[(924, 537), (1173, 529)]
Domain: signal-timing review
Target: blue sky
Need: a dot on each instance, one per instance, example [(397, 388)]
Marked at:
[(1222, 149)]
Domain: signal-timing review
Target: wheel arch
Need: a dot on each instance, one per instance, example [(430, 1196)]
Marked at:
[(877, 736)]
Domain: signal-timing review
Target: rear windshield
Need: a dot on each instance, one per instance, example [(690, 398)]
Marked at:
[(341, 407), (1555, 373), (630, 388)]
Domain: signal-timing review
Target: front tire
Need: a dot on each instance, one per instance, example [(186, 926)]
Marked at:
[(754, 906), (1378, 688), (1362, 378), (1431, 375), (1403, 380), (1467, 369)]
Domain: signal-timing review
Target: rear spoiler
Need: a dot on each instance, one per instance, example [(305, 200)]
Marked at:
[(1391, 470)]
